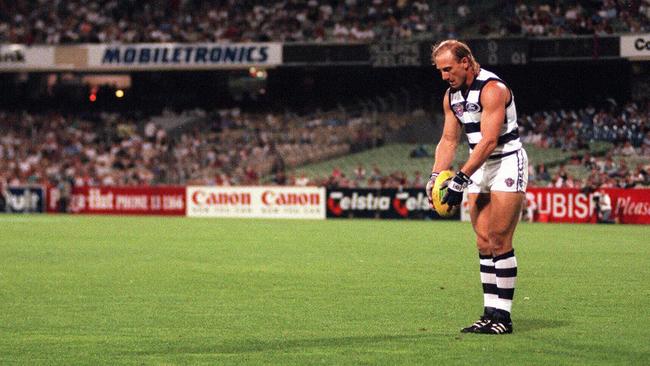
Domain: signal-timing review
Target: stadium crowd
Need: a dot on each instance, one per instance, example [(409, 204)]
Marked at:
[(602, 172), (108, 21), (375, 178), (626, 164), (573, 129), (627, 128), (550, 18), (229, 147), (226, 148)]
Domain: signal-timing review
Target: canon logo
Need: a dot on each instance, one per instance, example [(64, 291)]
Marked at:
[(221, 198), (270, 198), (641, 44)]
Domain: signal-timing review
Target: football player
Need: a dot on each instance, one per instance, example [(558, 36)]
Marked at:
[(495, 175)]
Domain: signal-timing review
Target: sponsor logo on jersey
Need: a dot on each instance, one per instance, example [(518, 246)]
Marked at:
[(472, 107), (458, 109)]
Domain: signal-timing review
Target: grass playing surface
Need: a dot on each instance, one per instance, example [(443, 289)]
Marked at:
[(126, 290)]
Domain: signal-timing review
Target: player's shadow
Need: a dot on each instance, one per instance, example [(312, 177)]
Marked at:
[(257, 345), (528, 325)]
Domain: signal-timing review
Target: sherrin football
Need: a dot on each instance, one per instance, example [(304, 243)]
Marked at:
[(438, 192)]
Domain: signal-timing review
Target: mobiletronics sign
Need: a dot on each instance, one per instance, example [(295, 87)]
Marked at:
[(636, 47), (182, 56), (259, 202), (380, 203)]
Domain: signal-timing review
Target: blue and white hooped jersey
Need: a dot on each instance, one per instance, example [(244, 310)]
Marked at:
[(468, 110)]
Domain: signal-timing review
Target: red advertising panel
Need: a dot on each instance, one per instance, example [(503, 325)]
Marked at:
[(629, 206), (163, 200)]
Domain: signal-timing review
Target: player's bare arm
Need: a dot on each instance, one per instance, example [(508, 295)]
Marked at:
[(446, 149), (494, 98)]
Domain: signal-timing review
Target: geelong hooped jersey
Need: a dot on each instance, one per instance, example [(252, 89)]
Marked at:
[(467, 108)]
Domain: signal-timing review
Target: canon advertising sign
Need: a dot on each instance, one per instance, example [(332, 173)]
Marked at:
[(259, 202), (380, 203)]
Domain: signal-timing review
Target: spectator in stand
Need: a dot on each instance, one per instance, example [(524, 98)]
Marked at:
[(376, 178), (336, 173), (418, 181), (302, 180), (359, 174), (645, 147), (3, 193), (529, 210), (609, 167), (640, 176), (588, 161), (603, 206), (541, 173), (625, 149), (64, 188)]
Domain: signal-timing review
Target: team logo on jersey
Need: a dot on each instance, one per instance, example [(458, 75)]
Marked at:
[(510, 182), (472, 107), (459, 109)]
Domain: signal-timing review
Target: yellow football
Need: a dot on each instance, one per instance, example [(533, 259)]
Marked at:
[(438, 192)]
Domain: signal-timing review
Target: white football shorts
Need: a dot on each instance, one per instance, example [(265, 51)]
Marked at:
[(506, 174)]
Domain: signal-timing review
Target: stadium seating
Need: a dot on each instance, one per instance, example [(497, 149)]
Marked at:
[(394, 159), (55, 22), (218, 148), (235, 148)]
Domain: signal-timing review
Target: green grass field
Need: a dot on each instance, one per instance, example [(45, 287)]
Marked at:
[(166, 291)]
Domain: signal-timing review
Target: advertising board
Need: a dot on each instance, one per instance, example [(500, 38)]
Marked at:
[(258, 202)]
